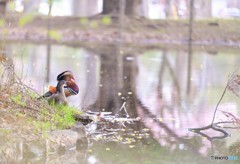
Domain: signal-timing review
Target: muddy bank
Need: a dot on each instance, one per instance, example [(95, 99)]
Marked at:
[(25, 139), (100, 29), (53, 146), (22, 139)]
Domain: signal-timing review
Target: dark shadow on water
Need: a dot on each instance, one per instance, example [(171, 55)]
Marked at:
[(152, 85)]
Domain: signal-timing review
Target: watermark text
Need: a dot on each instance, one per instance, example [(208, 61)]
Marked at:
[(227, 158)]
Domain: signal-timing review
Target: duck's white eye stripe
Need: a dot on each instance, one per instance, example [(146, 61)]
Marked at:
[(65, 73), (72, 91)]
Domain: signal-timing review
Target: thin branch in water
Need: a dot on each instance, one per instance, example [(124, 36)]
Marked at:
[(230, 80), (125, 110), (21, 76), (217, 124), (215, 111), (213, 127), (232, 118)]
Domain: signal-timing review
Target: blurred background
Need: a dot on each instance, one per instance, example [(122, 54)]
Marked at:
[(166, 61), (152, 9)]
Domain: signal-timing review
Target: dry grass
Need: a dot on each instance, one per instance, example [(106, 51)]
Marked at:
[(21, 112), (16, 95)]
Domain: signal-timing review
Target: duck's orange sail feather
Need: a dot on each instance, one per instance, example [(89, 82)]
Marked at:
[(52, 89)]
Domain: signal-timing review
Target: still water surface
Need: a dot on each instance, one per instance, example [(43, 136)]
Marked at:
[(153, 86)]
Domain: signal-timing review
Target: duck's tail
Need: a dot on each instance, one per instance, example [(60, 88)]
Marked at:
[(46, 95)]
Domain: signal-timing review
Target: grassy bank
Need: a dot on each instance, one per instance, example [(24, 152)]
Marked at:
[(22, 113)]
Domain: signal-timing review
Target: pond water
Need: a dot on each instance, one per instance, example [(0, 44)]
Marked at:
[(153, 86)]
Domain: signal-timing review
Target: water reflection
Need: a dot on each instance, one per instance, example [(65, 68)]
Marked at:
[(153, 84)]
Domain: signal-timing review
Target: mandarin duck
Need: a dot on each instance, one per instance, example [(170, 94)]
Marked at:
[(59, 97), (70, 89)]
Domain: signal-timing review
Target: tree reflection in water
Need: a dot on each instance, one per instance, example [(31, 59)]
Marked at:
[(153, 85)]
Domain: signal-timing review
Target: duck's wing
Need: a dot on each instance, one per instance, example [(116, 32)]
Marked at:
[(50, 92)]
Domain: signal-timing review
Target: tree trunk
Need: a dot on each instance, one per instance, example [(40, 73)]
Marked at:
[(112, 6), (3, 5), (169, 8), (130, 7)]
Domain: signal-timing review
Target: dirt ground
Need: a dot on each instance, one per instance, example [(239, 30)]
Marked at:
[(109, 30)]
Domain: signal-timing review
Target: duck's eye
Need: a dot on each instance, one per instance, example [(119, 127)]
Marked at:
[(68, 82)]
